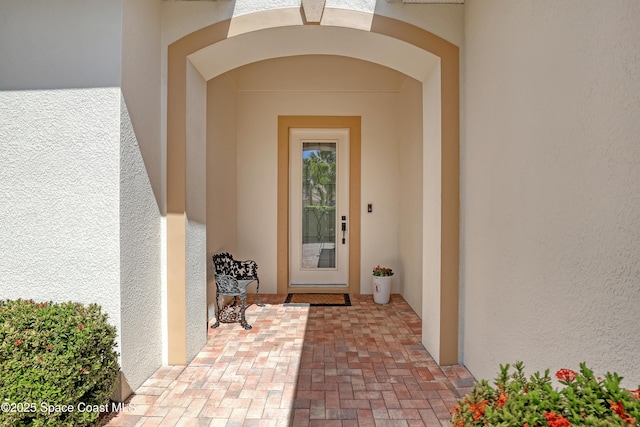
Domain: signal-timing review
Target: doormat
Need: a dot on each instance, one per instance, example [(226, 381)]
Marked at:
[(315, 300)]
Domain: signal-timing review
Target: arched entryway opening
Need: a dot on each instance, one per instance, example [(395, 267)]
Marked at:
[(201, 56)]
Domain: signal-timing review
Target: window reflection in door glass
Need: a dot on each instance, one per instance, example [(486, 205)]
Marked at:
[(319, 205)]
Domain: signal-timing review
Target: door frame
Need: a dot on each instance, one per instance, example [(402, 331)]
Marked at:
[(285, 123), (338, 273)]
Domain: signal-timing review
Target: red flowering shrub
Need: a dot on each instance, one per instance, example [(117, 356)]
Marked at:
[(584, 400), (565, 374), (556, 420)]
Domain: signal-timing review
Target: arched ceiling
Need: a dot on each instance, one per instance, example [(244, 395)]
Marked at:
[(317, 73)]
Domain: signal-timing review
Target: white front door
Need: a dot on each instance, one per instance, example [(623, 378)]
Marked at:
[(318, 207)]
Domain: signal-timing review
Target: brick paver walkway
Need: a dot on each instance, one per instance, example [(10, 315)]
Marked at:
[(360, 366)]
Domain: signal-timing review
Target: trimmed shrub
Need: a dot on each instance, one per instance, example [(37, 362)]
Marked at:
[(584, 400), (57, 362)]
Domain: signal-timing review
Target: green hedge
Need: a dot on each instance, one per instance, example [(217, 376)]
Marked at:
[(57, 362)]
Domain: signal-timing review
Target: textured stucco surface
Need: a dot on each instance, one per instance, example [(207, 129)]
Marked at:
[(432, 214), (551, 177), (257, 178), (410, 236), (79, 214), (141, 85), (59, 196), (184, 17), (60, 44), (78, 210), (140, 268), (196, 220), (222, 176), (256, 232)]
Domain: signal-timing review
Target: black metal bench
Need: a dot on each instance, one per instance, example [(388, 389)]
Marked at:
[(232, 278)]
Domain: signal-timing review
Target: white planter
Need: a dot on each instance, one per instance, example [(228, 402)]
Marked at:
[(381, 289)]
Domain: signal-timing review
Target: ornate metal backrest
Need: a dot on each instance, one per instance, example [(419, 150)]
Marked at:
[(245, 270), (224, 263)]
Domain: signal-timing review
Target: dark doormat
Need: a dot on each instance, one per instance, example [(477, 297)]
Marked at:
[(318, 299)]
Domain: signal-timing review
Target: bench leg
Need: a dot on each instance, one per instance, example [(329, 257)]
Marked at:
[(215, 325), (260, 303), (243, 320)]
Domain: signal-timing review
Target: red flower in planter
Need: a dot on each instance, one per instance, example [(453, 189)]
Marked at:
[(502, 399), (556, 420), (565, 374), (618, 408), (478, 410)]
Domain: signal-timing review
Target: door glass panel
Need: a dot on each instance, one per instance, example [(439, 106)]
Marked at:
[(318, 205)]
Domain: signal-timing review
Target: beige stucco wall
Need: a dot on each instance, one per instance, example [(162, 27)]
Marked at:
[(222, 174), (410, 235), (196, 210), (140, 291), (181, 18), (82, 213), (41, 48), (280, 33), (242, 178), (59, 196), (141, 84), (551, 177), (432, 218), (257, 118), (140, 212)]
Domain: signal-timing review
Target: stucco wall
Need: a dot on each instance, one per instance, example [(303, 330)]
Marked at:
[(257, 182), (79, 214), (551, 177), (196, 209), (410, 236), (183, 17), (431, 213), (81, 211), (60, 44), (59, 196), (140, 292), (140, 208), (328, 40), (141, 84), (222, 169)]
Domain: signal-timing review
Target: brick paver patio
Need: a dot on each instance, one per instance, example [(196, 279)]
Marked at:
[(361, 366)]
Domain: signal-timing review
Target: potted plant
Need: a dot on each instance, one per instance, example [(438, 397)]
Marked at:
[(382, 284)]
